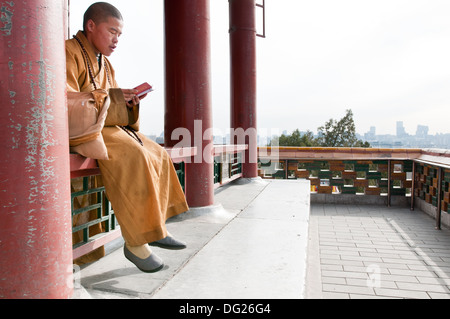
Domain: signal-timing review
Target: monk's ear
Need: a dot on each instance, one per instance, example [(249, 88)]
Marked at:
[(90, 26)]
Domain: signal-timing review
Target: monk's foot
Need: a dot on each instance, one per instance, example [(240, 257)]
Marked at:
[(169, 243), (143, 258)]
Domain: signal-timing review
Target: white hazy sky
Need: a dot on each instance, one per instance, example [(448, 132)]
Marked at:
[(387, 60)]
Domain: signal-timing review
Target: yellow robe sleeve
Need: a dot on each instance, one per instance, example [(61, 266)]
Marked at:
[(119, 113), (74, 72)]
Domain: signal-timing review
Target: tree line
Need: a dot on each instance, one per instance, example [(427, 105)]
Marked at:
[(334, 133)]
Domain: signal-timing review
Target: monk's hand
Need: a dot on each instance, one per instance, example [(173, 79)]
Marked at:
[(131, 97)]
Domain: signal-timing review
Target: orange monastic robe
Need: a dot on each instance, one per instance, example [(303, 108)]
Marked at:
[(140, 181)]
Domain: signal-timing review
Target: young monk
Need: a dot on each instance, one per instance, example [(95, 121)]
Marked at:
[(139, 176)]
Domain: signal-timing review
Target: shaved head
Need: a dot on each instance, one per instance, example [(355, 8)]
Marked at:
[(100, 12)]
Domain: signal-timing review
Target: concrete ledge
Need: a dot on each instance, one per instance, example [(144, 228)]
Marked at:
[(431, 211), (358, 199), (260, 254), (255, 180), (251, 244), (211, 214), (350, 199)]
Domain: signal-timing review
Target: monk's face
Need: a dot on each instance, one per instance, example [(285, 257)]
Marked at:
[(104, 36)]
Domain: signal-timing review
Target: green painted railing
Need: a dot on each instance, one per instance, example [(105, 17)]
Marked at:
[(422, 174), (228, 169), (227, 163), (93, 219), (376, 177), (432, 185), (98, 205)]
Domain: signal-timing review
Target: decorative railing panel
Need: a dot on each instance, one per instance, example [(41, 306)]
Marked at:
[(366, 177), (418, 174), (432, 185)]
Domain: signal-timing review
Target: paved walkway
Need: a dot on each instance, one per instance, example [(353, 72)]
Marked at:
[(264, 240), (376, 252)]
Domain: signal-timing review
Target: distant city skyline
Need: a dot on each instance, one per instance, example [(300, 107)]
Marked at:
[(421, 128), (401, 139)]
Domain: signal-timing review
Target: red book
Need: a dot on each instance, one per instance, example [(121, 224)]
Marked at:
[(143, 89)]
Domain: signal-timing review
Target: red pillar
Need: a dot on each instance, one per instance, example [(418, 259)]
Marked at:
[(243, 79), (35, 227), (188, 92)]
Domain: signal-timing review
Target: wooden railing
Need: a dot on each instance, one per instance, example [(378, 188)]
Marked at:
[(422, 174), (93, 201), (418, 174), (227, 163)]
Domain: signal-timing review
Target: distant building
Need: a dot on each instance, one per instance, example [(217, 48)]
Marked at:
[(401, 129), (402, 139), (371, 134), (422, 131)]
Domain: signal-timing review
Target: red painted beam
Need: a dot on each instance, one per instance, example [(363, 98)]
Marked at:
[(35, 227)]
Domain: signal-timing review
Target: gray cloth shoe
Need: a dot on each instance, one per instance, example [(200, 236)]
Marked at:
[(169, 243), (150, 264)]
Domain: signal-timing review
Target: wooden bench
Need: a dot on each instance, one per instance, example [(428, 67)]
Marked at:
[(82, 167)]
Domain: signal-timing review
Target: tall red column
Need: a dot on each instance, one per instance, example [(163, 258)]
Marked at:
[(188, 117), (243, 80), (35, 226)]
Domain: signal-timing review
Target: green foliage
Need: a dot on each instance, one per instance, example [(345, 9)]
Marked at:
[(297, 139), (333, 133)]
